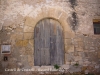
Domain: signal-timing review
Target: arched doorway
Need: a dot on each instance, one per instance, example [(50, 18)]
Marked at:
[(48, 43)]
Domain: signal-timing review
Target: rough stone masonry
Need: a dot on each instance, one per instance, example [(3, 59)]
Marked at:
[(18, 19)]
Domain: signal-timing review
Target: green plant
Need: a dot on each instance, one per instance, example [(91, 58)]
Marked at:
[(76, 64), (56, 66)]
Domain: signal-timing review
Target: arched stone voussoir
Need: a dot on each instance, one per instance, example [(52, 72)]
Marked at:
[(54, 12), (51, 12), (29, 21), (44, 11), (69, 35), (68, 32), (28, 29), (32, 19)]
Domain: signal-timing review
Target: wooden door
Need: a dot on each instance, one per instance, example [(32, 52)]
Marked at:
[(49, 44)]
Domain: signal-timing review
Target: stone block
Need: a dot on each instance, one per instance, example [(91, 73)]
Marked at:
[(78, 39), (28, 29), (68, 41), (37, 16), (97, 66), (22, 42), (76, 53), (68, 35), (86, 63), (31, 42), (28, 36), (8, 23), (80, 44), (51, 12), (30, 60), (16, 36), (22, 51), (79, 49), (70, 57), (81, 62), (92, 48), (18, 29), (67, 63), (63, 16), (69, 48), (24, 61), (77, 58), (45, 12), (76, 44), (86, 47), (29, 50), (29, 21)]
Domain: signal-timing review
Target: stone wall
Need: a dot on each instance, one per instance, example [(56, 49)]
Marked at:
[(19, 17)]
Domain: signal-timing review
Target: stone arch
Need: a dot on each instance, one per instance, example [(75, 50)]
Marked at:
[(51, 12)]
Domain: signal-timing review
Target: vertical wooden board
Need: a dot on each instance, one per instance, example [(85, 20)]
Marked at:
[(47, 56), (57, 45), (47, 41), (42, 43), (37, 47), (52, 43), (37, 58), (42, 34), (47, 33), (62, 45), (42, 56), (35, 42)]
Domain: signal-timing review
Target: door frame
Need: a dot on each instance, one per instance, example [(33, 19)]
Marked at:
[(52, 12)]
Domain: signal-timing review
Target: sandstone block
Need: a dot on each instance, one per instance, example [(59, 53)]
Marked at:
[(29, 21), (31, 42), (28, 35), (68, 41), (22, 42), (28, 29), (80, 44), (68, 35), (78, 39), (79, 49), (70, 48), (30, 60), (77, 58)]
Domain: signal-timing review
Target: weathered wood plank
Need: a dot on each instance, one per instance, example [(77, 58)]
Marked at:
[(42, 56), (47, 56), (52, 43), (42, 43), (37, 48), (47, 33)]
